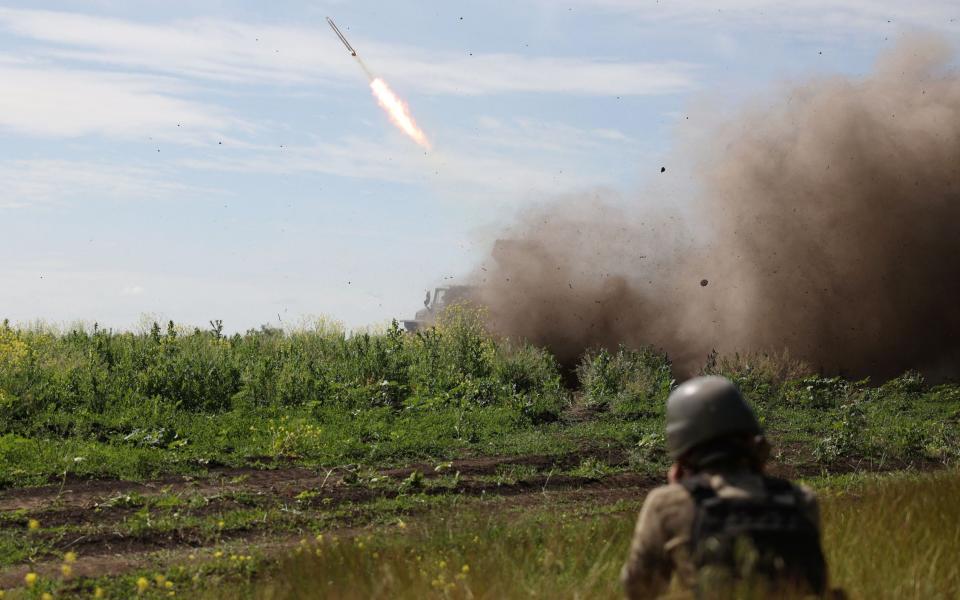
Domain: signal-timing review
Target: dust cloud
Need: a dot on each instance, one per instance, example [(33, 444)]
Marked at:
[(827, 224)]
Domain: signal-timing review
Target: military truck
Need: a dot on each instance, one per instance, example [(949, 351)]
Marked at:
[(434, 304)]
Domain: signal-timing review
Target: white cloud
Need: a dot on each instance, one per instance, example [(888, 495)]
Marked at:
[(49, 100), (31, 182), (537, 135), (73, 292), (245, 53), (809, 16), (501, 159), (131, 290), (505, 73), (205, 49), (395, 162)]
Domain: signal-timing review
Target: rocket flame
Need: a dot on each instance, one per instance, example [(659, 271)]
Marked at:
[(398, 111)]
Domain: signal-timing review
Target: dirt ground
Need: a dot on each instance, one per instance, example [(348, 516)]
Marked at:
[(96, 504), (91, 517)]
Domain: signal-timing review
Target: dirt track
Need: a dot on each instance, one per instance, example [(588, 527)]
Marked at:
[(89, 494), (93, 517), (96, 511)]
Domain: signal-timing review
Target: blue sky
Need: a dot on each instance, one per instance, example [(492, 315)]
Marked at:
[(225, 160)]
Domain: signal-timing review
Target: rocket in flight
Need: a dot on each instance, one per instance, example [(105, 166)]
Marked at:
[(340, 35)]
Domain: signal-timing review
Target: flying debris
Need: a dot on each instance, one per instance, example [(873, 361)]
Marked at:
[(340, 35)]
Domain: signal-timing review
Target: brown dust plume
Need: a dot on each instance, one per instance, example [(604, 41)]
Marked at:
[(828, 224)]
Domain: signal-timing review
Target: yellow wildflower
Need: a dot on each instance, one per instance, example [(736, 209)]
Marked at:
[(33, 524), (30, 579), (168, 584), (160, 579), (46, 596), (217, 554), (220, 524), (98, 592), (142, 585), (465, 569), (70, 557), (66, 569)]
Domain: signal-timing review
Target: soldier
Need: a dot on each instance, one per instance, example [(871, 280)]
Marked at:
[(721, 526)]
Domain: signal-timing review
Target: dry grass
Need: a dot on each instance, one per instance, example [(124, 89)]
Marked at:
[(892, 537), (896, 538), (771, 367)]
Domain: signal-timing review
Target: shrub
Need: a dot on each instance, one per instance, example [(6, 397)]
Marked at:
[(630, 383), (911, 382), (592, 468), (815, 392), (757, 375), (649, 452), (845, 437)]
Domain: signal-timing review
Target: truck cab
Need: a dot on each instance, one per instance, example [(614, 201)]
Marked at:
[(435, 303)]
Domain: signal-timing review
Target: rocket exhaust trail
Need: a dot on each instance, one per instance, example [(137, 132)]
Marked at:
[(363, 66), (396, 109)]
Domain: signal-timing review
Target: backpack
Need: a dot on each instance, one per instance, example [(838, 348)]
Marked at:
[(765, 543)]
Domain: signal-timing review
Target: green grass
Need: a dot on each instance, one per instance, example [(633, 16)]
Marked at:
[(885, 537), (175, 401), (99, 403), (896, 538), (93, 403), (486, 554)]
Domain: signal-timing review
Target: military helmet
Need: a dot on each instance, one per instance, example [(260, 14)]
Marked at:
[(704, 409)]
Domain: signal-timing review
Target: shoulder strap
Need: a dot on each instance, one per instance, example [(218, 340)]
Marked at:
[(775, 485), (699, 488), (781, 488)]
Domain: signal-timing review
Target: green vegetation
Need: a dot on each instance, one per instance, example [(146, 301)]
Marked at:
[(413, 456), (896, 538), (886, 536), (137, 405), (118, 404), (628, 383), (889, 537)]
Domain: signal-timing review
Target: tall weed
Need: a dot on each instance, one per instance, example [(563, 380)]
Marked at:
[(630, 383)]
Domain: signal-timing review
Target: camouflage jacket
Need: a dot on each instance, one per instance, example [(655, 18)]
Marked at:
[(660, 550)]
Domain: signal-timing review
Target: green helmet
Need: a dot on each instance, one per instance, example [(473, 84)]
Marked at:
[(704, 409)]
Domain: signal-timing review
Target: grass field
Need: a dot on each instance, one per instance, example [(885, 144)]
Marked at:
[(187, 461), (886, 537)]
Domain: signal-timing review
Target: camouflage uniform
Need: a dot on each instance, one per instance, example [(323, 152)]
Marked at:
[(660, 546)]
